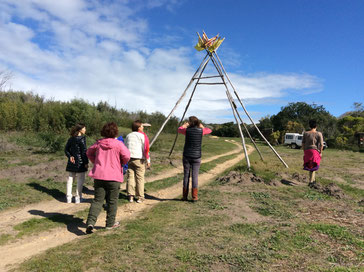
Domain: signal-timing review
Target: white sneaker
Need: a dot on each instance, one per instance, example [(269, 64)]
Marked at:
[(69, 199), (77, 200), (116, 225), (140, 200), (131, 199)]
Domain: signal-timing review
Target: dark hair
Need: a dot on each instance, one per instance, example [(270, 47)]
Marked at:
[(110, 130), (76, 129), (193, 121), (136, 125), (312, 123)]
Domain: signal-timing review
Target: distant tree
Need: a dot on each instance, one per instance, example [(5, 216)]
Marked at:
[(349, 125), (229, 129), (358, 110), (358, 106), (5, 76), (103, 106), (295, 127), (302, 112), (265, 126), (265, 123), (31, 112), (274, 138)]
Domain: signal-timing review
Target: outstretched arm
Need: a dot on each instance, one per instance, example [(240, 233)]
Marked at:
[(205, 130), (182, 129)]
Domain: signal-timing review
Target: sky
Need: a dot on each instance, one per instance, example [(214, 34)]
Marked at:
[(139, 54)]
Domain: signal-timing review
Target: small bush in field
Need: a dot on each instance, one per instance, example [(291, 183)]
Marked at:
[(53, 142)]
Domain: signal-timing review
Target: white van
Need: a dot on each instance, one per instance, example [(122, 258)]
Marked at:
[(293, 139)]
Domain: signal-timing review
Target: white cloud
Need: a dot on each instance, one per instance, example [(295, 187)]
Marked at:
[(82, 49)]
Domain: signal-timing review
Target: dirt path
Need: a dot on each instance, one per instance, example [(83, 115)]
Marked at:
[(20, 250), (12, 217)]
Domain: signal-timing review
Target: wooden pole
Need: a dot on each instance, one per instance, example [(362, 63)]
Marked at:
[(232, 104), (188, 104), (203, 64), (240, 131), (236, 108), (236, 94), (246, 129)]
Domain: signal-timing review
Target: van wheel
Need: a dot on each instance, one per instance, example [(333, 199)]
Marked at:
[(293, 146)]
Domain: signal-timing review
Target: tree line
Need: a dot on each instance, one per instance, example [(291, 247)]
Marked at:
[(26, 111), (341, 132), (21, 111)]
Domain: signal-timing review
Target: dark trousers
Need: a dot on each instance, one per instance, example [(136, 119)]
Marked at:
[(104, 189), (191, 166)]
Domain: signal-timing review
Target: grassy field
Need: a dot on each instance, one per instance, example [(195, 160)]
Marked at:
[(236, 226), (29, 174)]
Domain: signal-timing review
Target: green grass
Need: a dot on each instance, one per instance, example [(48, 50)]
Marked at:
[(290, 228), (270, 208), (163, 183), (18, 194), (182, 236), (35, 225), (314, 195), (5, 238), (14, 194), (340, 233)]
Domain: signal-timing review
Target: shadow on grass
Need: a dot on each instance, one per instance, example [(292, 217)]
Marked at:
[(147, 196), (123, 195), (56, 193), (288, 182), (73, 223)]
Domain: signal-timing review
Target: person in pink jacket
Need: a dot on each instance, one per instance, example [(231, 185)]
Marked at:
[(108, 156)]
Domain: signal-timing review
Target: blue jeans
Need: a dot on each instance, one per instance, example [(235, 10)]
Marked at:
[(191, 167)]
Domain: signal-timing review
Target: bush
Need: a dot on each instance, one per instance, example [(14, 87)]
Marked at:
[(53, 142), (28, 112)]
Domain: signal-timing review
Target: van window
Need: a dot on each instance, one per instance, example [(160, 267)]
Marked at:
[(299, 138), (289, 136)]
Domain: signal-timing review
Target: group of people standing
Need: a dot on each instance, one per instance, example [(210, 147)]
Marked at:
[(111, 157)]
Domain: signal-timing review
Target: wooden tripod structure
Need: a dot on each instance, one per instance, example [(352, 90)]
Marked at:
[(225, 80)]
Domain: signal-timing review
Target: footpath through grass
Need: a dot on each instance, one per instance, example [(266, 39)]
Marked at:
[(18, 190), (234, 227), (37, 225)]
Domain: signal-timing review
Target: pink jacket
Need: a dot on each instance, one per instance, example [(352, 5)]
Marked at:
[(108, 155)]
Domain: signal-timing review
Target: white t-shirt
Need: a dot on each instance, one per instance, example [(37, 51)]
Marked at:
[(134, 141)]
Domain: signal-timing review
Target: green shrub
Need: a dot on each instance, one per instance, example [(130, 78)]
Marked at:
[(53, 142)]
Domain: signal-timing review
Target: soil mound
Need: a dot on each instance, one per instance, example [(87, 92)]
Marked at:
[(299, 177), (235, 177), (331, 189)]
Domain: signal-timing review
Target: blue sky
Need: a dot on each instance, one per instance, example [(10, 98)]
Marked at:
[(139, 55)]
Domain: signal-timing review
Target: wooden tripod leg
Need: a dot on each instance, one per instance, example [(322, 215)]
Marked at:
[(246, 112), (188, 105), (241, 120), (203, 64), (240, 131), (234, 109)]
